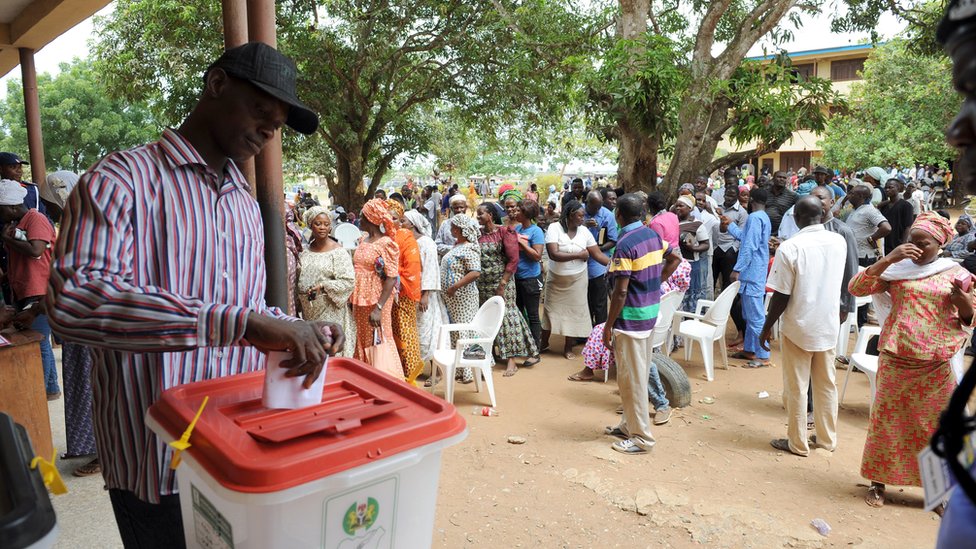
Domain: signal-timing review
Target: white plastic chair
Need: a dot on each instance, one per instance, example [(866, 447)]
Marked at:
[(485, 324), (844, 335), (348, 235), (863, 361), (662, 328), (707, 328)]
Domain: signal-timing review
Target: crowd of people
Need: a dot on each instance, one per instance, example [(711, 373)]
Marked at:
[(146, 316)]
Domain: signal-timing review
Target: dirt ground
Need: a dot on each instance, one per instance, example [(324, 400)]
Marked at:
[(711, 480)]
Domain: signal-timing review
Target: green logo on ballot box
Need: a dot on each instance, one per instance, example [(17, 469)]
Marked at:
[(360, 516)]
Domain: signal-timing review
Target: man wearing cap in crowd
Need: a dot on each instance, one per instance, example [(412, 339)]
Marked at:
[(12, 167), (27, 237), (161, 271), (445, 240), (957, 33), (823, 178)]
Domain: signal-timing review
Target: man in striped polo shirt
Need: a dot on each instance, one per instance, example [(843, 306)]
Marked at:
[(639, 264)]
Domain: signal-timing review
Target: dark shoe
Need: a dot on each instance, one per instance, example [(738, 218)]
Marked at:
[(53, 396), (783, 445)]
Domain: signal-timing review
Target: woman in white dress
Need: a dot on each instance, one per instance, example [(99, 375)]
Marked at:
[(431, 312), (326, 278)]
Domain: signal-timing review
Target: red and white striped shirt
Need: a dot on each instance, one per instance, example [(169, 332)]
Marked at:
[(159, 262)]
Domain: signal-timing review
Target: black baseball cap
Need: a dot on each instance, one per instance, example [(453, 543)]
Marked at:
[(274, 73), (7, 159), (960, 15)]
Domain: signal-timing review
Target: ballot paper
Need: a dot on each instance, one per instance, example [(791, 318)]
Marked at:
[(287, 392)]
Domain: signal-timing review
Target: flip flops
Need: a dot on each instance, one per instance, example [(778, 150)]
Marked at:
[(753, 364)]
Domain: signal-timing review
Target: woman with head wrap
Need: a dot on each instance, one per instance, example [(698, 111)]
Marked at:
[(694, 243), (565, 310), (326, 277), (444, 239), (510, 200), (958, 247), (431, 310), (377, 266), (499, 259), (926, 317), (405, 309), (460, 269)]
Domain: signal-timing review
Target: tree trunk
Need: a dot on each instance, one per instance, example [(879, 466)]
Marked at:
[(637, 161), (348, 185), (637, 152), (702, 125)]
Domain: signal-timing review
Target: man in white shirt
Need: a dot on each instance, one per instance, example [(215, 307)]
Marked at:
[(869, 226), (806, 279)]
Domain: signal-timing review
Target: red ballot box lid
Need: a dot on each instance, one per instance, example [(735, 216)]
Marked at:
[(365, 415)]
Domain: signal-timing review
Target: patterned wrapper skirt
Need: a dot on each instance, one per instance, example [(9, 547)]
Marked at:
[(406, 337), (76, 366), (911, 395)]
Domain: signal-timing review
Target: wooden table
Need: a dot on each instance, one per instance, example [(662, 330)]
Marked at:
[(22, 390)]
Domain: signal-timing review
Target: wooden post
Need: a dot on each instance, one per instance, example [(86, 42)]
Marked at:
[(235, 34), (32, 113), (261, 27)]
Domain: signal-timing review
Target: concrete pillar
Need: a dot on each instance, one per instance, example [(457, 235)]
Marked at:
[(32, 113), (235, 34), (261, 27)]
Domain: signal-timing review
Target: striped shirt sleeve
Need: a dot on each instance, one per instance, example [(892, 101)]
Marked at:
[(91, 299)]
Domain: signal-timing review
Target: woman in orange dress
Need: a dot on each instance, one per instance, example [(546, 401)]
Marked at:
[(926, 318), (377, 265), (405, 310)]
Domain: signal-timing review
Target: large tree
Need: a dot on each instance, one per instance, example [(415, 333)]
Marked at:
[(898, 112), (369, 68), (79, 122)]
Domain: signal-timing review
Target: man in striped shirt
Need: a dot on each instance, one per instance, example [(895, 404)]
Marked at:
[(160, 268), (640, 262)]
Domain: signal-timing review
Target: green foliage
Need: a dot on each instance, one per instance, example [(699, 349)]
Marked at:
[(641, 81), (769, 104), (79, 122), (897, 113), (922, 17)]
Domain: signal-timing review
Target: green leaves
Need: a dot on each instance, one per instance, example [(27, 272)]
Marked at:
[(898, 113), (79, 121)]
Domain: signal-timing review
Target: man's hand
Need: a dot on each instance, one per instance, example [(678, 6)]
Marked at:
[(734, 277), (764, 338), (309, 343), (608, 336), (376, 316), (724, 222), (591, 223), (843, 316)]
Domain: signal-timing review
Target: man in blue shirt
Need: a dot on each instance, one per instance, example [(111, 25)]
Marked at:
[(601, 223), (750, 270)]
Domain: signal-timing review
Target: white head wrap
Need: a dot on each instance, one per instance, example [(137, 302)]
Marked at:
[(314, 212), (419, 221), (878, 173), (11, 193), (457, 198), (687, 200), (62, 182)]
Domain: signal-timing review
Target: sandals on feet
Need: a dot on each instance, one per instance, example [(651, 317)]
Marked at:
[(875, 496), (783, 445), (742, 355), (532, 361), (577, 377), (757, 364), (93, 467)]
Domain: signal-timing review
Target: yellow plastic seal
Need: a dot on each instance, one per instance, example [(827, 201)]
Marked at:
[(184, 442), (50, 474)]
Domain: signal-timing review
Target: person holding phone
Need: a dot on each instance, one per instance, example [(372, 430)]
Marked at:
[(925, 306)]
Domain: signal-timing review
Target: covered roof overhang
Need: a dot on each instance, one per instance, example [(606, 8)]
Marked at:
[(36, 23)]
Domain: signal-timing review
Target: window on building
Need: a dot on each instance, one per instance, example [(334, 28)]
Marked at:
[(847, 69), (804, 72)]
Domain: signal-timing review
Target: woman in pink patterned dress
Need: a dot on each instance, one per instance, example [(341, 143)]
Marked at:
[(926, 318)]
